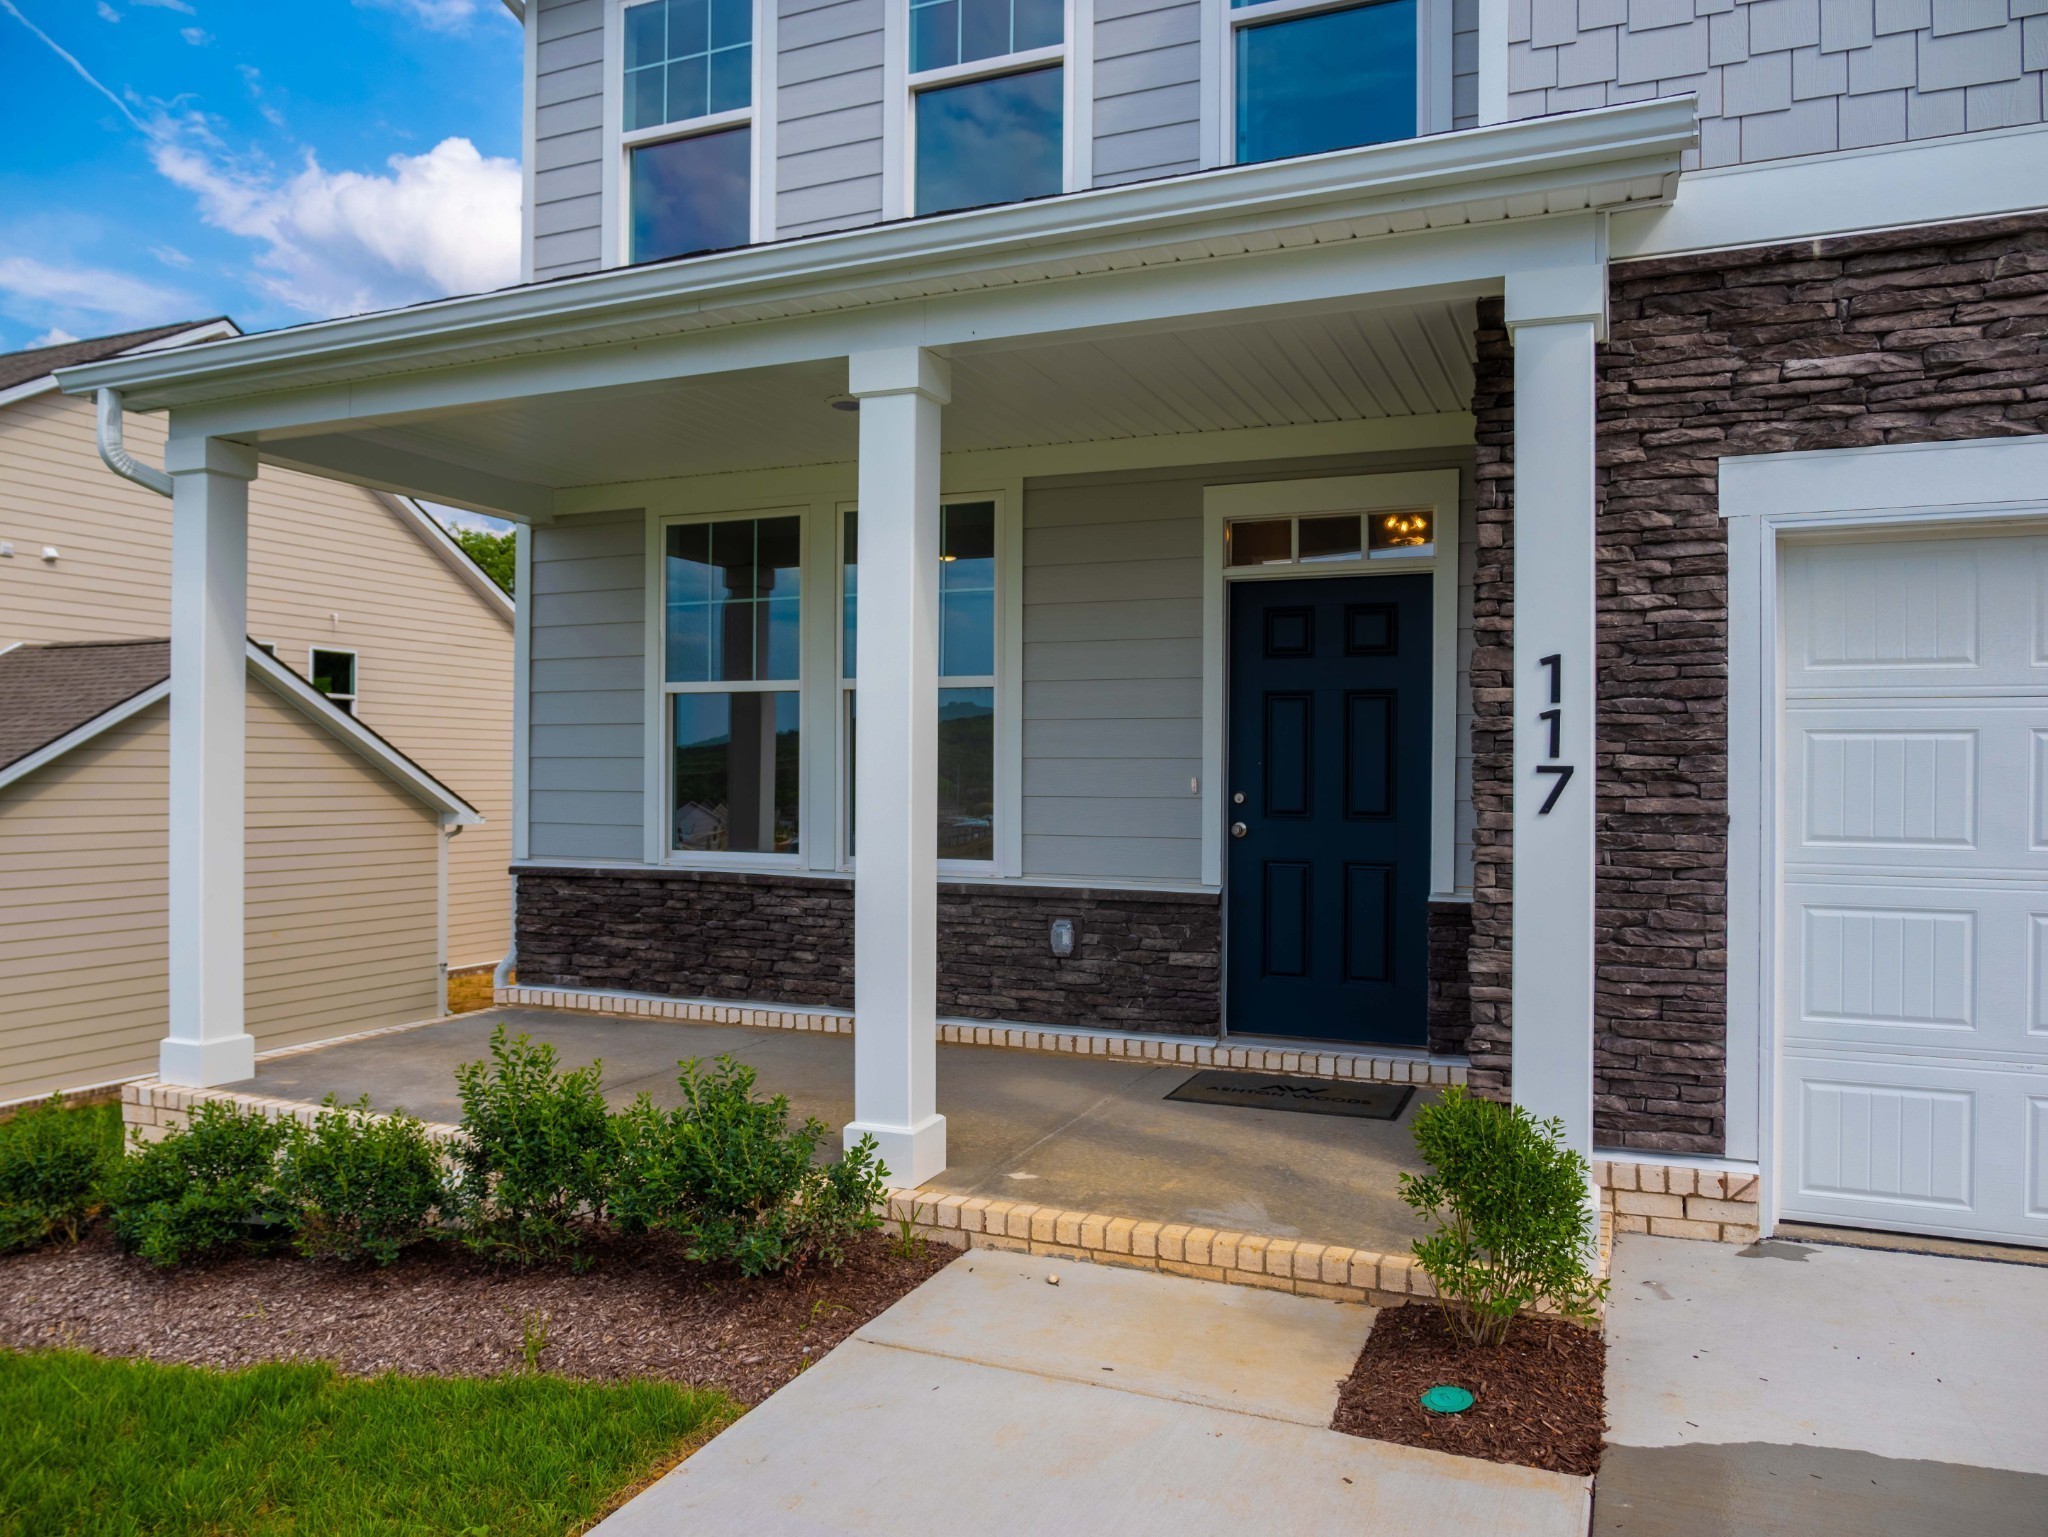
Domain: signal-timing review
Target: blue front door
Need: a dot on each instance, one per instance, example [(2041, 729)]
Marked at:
[(1329, 808)]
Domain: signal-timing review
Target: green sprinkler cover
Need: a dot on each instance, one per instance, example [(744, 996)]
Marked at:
[(1446, 1399)]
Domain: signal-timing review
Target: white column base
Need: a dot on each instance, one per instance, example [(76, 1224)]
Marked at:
[(912, 1154), (207, 1064)]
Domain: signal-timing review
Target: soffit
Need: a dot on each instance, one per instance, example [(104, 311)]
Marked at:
[(1346, 366)]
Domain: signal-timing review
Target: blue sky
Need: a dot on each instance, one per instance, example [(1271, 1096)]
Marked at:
[(271, 160)]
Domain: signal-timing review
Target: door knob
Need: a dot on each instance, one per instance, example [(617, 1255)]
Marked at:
[(1237, 829)]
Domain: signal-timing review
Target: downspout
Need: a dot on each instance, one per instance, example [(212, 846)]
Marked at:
[(501, 975), (119, 460)]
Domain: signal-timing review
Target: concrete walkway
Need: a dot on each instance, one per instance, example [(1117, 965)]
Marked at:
[(992, 1402), (1078, 1133), (1797, 1388)]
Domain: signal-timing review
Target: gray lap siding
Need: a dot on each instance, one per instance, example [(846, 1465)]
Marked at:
[(1930, 334)]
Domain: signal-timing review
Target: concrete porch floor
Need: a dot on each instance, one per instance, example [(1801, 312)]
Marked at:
[(1071, 1132)]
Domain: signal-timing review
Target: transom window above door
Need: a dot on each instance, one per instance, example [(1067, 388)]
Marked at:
[(988, 101), (686, 125), (1308, 77)]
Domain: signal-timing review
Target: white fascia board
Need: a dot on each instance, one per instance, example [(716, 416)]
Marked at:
[(1891, 186), (78, 736), (352, 733), (1987, 473), (1575, 162), (213, 330), (452, 555)]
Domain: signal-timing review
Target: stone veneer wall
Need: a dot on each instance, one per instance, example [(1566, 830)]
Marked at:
[(1450, 977), (1929, 334), (1147, 961)]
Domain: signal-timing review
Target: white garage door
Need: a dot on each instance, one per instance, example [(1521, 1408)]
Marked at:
[(1913, 1007)]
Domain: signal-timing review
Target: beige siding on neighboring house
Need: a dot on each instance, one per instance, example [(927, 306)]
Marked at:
[(82, 903), (343, 886), (329, 565), (343, 877)]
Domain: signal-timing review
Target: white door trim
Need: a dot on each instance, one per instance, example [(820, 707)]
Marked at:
[(1764, 497)]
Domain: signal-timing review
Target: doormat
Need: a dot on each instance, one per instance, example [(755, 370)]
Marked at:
[(1312, 1096)]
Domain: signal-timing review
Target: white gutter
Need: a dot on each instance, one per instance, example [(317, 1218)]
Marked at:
[(119, 460)]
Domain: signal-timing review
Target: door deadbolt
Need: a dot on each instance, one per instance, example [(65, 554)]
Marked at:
[(1237, 799)]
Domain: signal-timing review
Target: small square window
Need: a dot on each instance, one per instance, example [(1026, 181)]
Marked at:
[(990, 141), (1402, 533), (1266, 542), (693, 194), (333, 673), (1334, 538)]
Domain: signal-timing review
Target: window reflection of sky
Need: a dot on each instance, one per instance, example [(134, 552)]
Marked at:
[(990, 141), (693, 194), (1326, 81)]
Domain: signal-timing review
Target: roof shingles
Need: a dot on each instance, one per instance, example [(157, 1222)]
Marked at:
[(48, 692)]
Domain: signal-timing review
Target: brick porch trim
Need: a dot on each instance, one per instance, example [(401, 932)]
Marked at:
[(1193, 1051)]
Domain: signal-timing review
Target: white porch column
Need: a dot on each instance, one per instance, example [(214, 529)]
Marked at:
[(210, 479), (895, 901), (1555, 318)]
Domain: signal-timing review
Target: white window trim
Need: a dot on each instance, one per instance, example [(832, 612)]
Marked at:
[(615, 216), (1008, 746), (1434, 489), (1765, 498), (1075, 56), (355, 673), (660, 762), (1220, 25)]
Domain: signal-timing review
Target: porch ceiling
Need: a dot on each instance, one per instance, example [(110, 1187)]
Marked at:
[(1416, 359)]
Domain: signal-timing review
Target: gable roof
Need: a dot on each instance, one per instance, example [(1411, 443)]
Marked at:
[(48, 692), (59, 696), (41, 362)]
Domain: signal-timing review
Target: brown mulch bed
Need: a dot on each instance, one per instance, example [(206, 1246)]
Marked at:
[(1539, 1399), (639, 1310)]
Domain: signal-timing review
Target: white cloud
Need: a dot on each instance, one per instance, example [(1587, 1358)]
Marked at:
[(198, 37), (341, 242), (168, 5), (107, 12), (458, 517), (104, 294), (440, 15), (56, 336), (170, 256)]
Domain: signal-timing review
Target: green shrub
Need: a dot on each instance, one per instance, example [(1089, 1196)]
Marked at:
[(209, 1187), (1513, 1228), (531, 1158), (53, 1162), (728, 1172), (359, 1185)]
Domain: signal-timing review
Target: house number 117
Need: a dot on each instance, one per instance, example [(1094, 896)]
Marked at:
[(1554, 718)]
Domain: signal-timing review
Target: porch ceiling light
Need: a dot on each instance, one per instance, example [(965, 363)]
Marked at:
[(843, 402)]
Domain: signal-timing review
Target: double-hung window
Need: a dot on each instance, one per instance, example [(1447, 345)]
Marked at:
[(1308, 76), (687, 126), (732, 622), (967, 677), (988, 116)]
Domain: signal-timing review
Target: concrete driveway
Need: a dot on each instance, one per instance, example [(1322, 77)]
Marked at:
[(992, 1402), (1800, 1388)]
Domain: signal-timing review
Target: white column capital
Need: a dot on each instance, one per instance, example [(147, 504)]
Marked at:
[(184, 455), (900, 371), (1551, 296)]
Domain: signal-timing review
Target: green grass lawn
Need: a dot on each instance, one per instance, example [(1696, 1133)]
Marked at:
[(112, 1447)]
